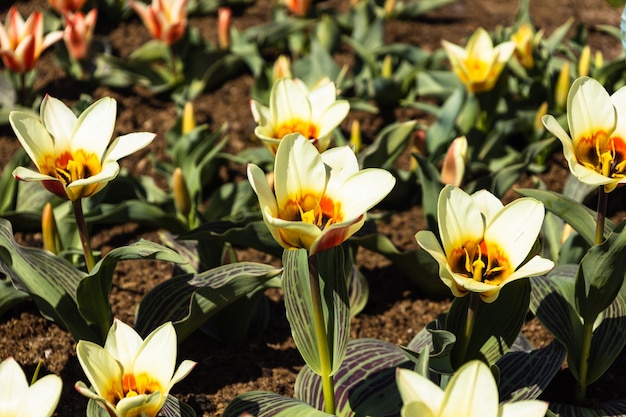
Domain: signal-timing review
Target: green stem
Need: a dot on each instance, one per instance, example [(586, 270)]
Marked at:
[(603, 198), (82, 232), (472, 310), (328, 384), (583, 368)]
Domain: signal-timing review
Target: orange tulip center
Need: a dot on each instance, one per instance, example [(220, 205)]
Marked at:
[(69, 167), (305, 128), (133, 385), (603, 154), (484, 262), (310, 208)]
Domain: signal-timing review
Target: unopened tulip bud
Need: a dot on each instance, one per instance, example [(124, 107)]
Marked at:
[(78, 33), (355, 136), (390, 6), (224, 15), (387, 69), (66, 6), (598, 61), (298, 7), (562, 87), (182, 200), (188, 120), (453, 168), (282, 68), (49, 231), (524, 43), (584, 62), (541, 111)]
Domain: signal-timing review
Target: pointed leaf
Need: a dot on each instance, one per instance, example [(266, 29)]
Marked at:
[(389, 144), (269, 404)]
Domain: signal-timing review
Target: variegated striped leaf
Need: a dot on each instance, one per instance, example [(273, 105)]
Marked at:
[(92, 293), (553, 304), (610, 409), (365, 384), (525, 375), (51, 282), (299, 305), (189, 300), (269, 404)]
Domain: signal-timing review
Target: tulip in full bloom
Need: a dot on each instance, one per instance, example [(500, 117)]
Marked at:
[(479, 64), (79, 32), (17, 398), (165, 19), (22, 42), (131, 377), (293, 108), (320, 200), (472, 392), (595, 149), (73, 155), (66, 6), (484, 242)]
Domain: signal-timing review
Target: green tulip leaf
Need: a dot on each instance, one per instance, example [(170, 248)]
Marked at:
[(430, 181), (609, 409), (389, 144), (581, 218), (9, 295), (50, 281), (364, 383), (358, 290), (269, 404), (441, 133), (300, 309), (189, 300)]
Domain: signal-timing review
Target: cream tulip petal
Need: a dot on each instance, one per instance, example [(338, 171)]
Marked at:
[(102, 370), (260, 113), (336, 234), (618, 99), (480, 46), (28, 175), (534, 267), (415, 388), (471, 285), (157, 355), (515, 228), (59, 120), (126, 405), (183, 370), (32, 135), (456, 54), (590, 176), (95, 126), (354, 200), (417, 409), (269, 220), (127, 144), (459, 218), (298, 170), (322, 96), (428, 241), (288, 102), (342, 162), (472, 392), (109, 171), (524, 409), (122, 343), (503, 52), (295, 234), (556, 129), (259, 184), (589, 109), (46, 393), (332, 117), (86, 392), (14, 384), (487, 203)]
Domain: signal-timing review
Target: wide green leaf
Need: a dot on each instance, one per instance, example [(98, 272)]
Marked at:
[(364, 384), (269, 404), (389, 144), (93, 291), (300, 308), (189, 300)]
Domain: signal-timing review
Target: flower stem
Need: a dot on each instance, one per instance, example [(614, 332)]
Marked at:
[(328, 384), (583, 368), (601, 215), (77, 205), (472, 310)]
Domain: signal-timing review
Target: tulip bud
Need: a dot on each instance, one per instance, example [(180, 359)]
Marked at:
[(453, 168), (224, 15), (66, 6), (541, 111), (387, 69), (598, 61), (584, 62), (355, 136), (188, 121), (562, 87), (282, 68), (49, 231), (298, 7), (390, 6), (181, 193), (79, 32)]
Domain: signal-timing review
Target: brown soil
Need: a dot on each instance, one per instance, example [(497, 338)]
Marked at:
[(396, 311)]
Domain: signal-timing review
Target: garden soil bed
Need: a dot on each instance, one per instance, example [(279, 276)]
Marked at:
[(396, 310)]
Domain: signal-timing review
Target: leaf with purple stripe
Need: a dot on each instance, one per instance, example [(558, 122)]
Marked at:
[(269, 404)]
